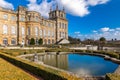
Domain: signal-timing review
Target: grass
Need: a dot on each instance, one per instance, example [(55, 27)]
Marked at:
[(10, 72), (112, 77)]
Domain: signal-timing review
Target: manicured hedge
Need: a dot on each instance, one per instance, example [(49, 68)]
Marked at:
[(112, 77), (45, 72), (111, 54), (59, 50)]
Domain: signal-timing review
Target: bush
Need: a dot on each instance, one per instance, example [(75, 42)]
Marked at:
[(32, 41), (40, 41)]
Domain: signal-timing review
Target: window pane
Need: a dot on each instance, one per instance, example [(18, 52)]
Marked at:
[(5, 41), (5, 16), (23, 31), (13, 41), (5, 29), (13, 29)]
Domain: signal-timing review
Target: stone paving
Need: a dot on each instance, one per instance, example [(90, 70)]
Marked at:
[(117, 70)]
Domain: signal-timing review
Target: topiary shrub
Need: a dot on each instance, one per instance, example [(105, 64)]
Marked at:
[(32, 41)]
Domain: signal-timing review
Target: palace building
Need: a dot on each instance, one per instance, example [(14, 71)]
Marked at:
[(18, 27)]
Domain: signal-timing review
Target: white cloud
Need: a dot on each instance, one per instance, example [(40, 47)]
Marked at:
[(108, 33), (96, 2), (43, 7), (105, 29), (77, 32), (118, 29), (74, 7), (80, 7), (111, 30), (94, 31), (6, 4)]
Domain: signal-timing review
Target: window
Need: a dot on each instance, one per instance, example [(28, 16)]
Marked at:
[(13, 41), (59, 24), (60, 34), (52, 41), (63, 35), (28, 30), (48, 33), (36, 31), (62, 15), (36, 18), (40, 32), (52, 34), (13, 18), (48, 41), (23, 31), (5, 16), (22, 18), (5, 29), (63, 25), (5, 41), (44, 33), (13, 30)]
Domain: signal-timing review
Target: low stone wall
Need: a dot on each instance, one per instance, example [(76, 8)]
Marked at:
[(85, 48)]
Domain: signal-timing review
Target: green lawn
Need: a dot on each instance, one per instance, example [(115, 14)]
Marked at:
[(11, 72)]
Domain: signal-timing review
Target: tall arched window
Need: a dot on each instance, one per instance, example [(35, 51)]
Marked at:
[(28, 30), (13, 30), (59, 24), (44, 33), (13, 41), (48, 41), (23, 31), (5, 29), (36, 31), (5, 41), (62, 25), (53, 34), (40, 32), (48, 33), (52, 41)]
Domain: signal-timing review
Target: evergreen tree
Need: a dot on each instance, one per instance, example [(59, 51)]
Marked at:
[(40, 41), (32, 41)]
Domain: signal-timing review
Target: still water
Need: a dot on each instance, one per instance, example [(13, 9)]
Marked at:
[(80, 64)]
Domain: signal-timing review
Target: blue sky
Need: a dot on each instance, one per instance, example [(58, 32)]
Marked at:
[(87, 18)]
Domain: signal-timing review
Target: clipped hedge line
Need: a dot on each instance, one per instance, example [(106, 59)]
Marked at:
[(112, 77), (17, 52), (45, 72), (111, 54), (59, 50)]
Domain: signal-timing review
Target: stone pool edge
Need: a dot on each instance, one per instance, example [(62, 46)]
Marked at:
[(106, 57)]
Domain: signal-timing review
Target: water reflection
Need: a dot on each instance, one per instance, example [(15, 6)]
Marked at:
[(56, 60), (80, 64)]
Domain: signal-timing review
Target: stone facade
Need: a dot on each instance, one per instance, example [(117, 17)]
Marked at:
[(18, 27)]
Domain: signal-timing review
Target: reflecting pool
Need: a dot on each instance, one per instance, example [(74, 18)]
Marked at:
[(80, 64)]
